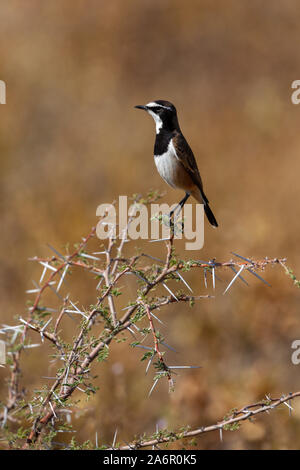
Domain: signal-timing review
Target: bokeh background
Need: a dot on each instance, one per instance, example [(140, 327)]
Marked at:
[(70, 140)]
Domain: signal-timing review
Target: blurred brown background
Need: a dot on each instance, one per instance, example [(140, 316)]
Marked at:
[(70, 140)]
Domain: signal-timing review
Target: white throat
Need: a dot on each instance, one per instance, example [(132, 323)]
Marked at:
[(158, 121)]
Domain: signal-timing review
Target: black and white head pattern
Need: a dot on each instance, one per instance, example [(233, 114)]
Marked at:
[(163, 113)]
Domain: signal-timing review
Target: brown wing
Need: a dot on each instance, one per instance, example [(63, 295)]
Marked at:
[(186, 157)]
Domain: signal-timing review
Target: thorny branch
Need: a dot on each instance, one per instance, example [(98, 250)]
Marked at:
[(78, 356), (231, 422)]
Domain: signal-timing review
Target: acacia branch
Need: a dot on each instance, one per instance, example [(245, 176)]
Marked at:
[(231, 422), (86, 346)]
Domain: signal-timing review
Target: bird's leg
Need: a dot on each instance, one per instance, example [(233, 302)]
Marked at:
[(180, 204)]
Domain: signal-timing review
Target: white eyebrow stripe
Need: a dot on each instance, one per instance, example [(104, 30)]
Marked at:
[(153, 105)]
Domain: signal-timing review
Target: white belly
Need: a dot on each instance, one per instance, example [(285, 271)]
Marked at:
[(172, 170), (168, 165)]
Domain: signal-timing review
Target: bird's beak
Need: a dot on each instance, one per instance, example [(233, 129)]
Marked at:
[(141, 107)]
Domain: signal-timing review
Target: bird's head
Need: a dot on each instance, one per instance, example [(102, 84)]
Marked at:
[(164, 114)]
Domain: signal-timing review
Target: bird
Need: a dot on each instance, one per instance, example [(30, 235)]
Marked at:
[(173, 156)]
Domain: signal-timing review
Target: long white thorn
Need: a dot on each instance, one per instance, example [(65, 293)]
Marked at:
[(235, 277), (62, 277)]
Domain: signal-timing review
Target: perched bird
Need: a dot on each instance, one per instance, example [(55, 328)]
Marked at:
[(173, 156)]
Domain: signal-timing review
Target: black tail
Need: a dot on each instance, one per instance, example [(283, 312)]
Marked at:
[(210, 215)]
